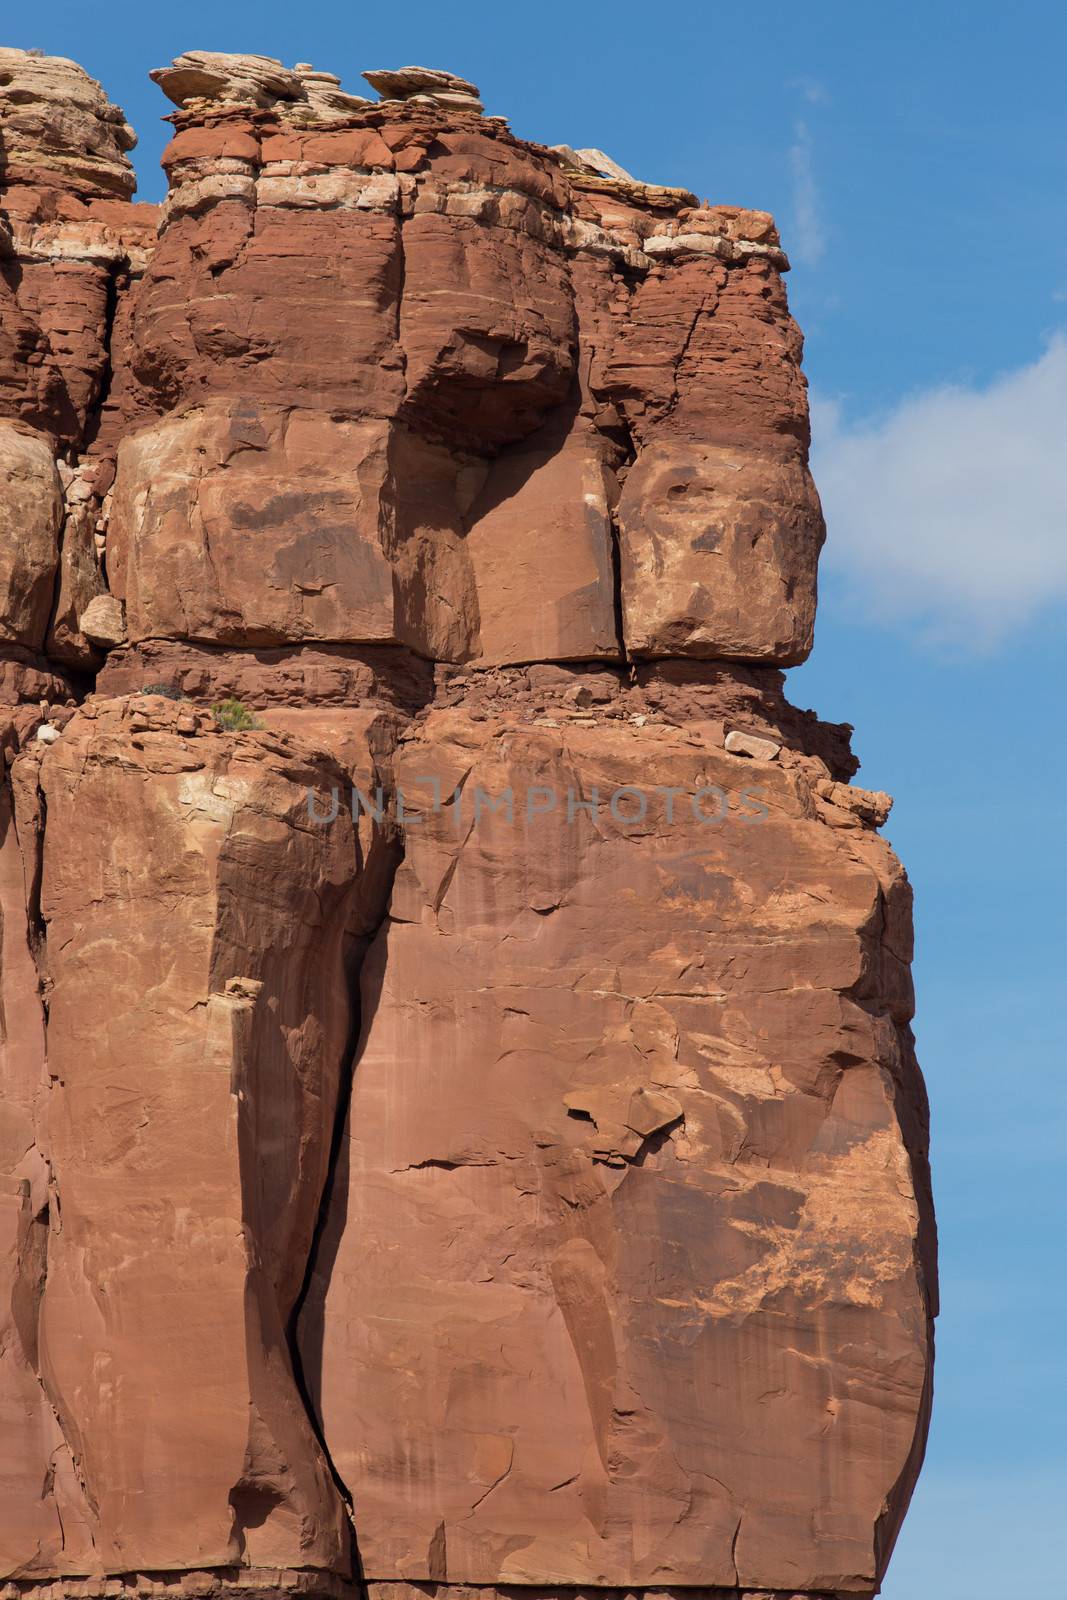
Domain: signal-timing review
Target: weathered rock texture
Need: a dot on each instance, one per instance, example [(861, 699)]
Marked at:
[(459, 1125)]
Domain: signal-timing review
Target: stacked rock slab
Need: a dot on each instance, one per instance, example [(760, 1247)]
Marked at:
[(459, 1117)]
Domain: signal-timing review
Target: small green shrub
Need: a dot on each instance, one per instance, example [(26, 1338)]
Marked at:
[(167, 690), (234, 716)]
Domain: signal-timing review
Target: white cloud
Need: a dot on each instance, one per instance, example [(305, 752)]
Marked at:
[(952, 509), (807, 242), (814, 92)]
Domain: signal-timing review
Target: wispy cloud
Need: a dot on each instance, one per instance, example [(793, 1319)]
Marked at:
[(808, 240), (814, 92), (951, 511)]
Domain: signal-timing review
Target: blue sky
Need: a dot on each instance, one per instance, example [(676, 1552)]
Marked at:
[(916, 159)]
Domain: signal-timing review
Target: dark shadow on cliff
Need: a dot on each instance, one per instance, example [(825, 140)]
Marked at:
[(365, 966)]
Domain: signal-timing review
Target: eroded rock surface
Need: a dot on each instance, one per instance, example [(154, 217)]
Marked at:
[(459, 1126)]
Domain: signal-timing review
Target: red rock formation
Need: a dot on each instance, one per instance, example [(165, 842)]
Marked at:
[(70, 244), (627, 1218), (459, 1120)]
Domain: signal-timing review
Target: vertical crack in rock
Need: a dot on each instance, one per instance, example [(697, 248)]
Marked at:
[(401, 280), (117, 281), (683, 351), (629, 448), (80, 575), (28, 800), (23, 823), (292, 1027), (387, 843)]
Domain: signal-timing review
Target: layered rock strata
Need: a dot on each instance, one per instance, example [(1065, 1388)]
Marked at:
[(459, 1127)]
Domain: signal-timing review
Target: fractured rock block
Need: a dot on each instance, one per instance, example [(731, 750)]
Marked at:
[(719, 548), (31, 513), (280, 305), (103, 621), (631, 1188), (540, 543), (489, 356), (196, 1033), (246, 524)]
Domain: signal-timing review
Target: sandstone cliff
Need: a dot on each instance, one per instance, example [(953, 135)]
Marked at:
[(459, 1124)]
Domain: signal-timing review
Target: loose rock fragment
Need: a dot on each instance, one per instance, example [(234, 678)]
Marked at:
[(750, 744), (868, 805), (104, 621), (426, 83), (599, 162)]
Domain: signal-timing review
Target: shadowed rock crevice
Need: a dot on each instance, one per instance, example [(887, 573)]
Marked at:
[(304, 1330), (627, 459), (118, 282)]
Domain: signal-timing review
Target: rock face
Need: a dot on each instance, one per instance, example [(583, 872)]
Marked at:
[(218, 928), (459, 1123), (626, 1217)]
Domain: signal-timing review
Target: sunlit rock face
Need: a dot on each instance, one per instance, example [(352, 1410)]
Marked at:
[(459, 1121)]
